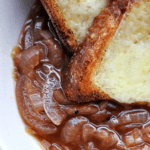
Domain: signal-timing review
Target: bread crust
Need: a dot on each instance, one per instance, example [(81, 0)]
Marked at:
[(77, 81), (59, 22)]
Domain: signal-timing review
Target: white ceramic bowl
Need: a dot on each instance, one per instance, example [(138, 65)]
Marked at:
[(12, 128)]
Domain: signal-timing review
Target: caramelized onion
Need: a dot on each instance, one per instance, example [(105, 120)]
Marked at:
[(39, 23), (128, 127), (45, 144), (129, 117), (60, 97), (53, 110), (46, 34), (71, 131), (39, 127), (66, 147), (28, 38), (146, 132), (85, 109), (106, 137), (133, 138), (108, 105), (27, 60), (34, 96), (133, 116), (51, 107), (36, 101), (87, 132), (52, 79), (55, 147), (91, 146), (100, 116), (28, 87), (55, 52), (144, 146)]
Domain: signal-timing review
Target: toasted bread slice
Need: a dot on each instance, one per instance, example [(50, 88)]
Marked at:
[(114, 60), (72, 18)]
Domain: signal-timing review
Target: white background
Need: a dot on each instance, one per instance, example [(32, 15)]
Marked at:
[(12, 133)]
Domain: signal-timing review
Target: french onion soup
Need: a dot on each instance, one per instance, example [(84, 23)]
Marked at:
[(40, 60)]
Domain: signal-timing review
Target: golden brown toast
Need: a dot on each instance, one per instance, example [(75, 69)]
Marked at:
[(113, 62), (72, 18)]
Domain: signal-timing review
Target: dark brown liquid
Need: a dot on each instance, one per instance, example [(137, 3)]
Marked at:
[(58, 123)]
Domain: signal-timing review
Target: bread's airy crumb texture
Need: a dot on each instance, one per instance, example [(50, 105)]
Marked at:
[(124, 72), (113, 62), (72, 18), (79, 14)]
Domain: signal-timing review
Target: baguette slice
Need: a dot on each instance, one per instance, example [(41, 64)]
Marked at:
[(113, 62), (72, 18)]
